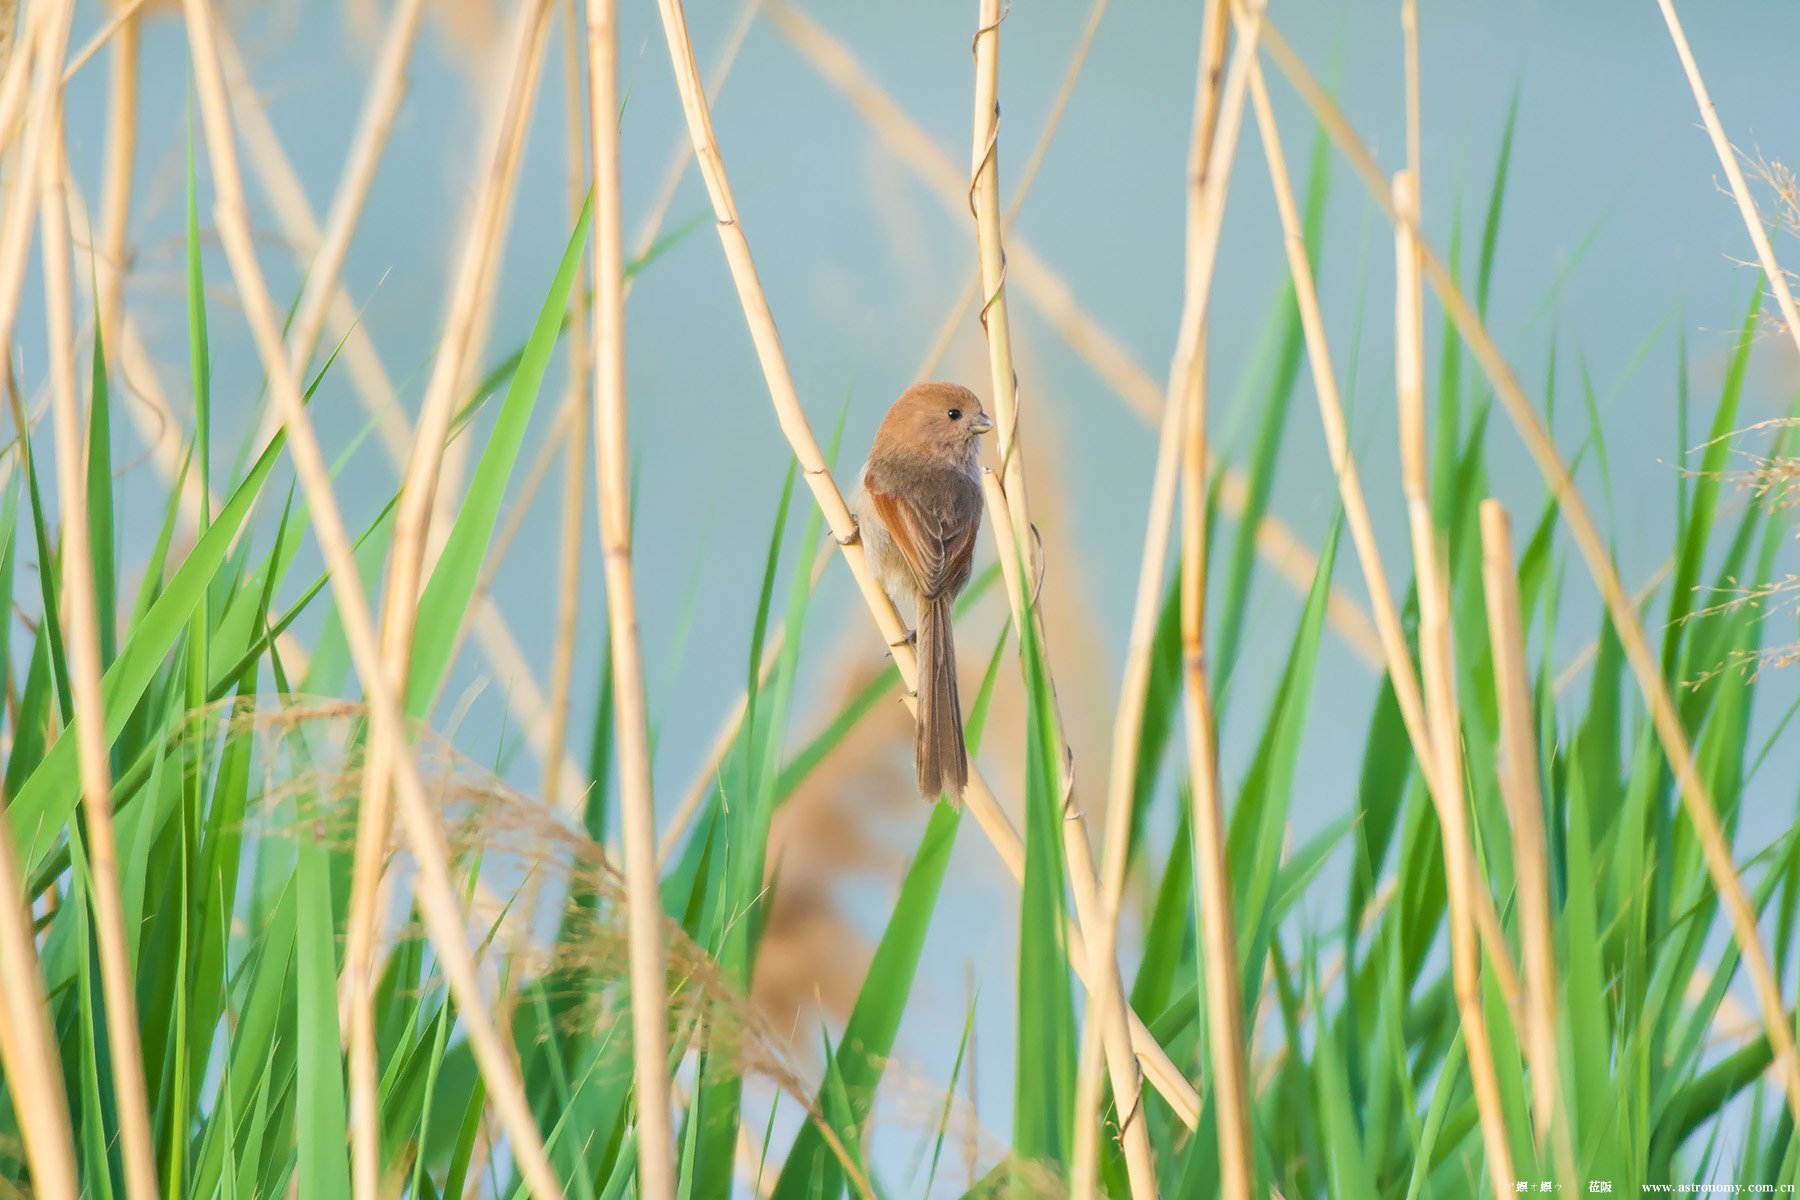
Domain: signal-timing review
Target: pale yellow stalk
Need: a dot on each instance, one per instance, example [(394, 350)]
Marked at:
[(1008, 505), (1441, 715), (28, 1052), (1517, 771), (1210, 161), (575, 421), (15, 76), (1734, 174), (984, 203), (1218, 928), (121, 16), (1415, 127), (1400, 668), (971, 289), (93, 746), (792, 417), (1696, 798), (20, 208), (436, 893), (112, 256), (1284, 553), (374, 389), (412, 523), (612, 474), (373, 128)]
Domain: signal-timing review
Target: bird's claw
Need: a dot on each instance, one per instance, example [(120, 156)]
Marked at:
[(851, 538)]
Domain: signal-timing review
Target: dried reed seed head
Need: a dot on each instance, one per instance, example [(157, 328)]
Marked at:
[(548, 907)]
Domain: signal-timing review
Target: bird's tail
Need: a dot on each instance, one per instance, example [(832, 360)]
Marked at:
[(938, 751)]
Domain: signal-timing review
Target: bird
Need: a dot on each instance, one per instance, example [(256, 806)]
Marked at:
[(918, 510)]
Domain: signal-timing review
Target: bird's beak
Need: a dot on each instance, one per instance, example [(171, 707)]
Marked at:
[(982, 423)]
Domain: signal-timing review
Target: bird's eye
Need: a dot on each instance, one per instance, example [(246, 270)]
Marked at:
[(956, 414)]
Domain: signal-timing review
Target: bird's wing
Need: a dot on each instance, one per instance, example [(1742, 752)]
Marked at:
[(939, 553)]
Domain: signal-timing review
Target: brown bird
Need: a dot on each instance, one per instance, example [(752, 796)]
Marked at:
[(919, 509)]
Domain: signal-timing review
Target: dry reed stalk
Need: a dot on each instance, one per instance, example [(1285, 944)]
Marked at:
[(15, 83), (791, 415), (121, 16), (1210, 159), (151, 413), (446, 496), (287, 200), (612, 475), (1415, 136), (412, 524), (367, 145), (984, 205), (1695, 796), (374, 390), (544, 733), (27, 1047), (1438, 669), (651, 226), (1578, 663), (1408, 696), (86, 695), (971, 289), (20, 206), (575, 411), (1519, 789), (1118, 1032), (436, 895), (111, 257), (1225, 1015), (646, 238), (1007, 502), (1734, 174), (721, 745), (1290, 558)]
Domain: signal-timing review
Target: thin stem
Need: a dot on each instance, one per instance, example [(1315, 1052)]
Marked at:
[(612, 472), (112, 256), (1520, 790), (93, 746), (1011, 520), (1415, 135), (1283, 552), (27, 1048), (1438, 669), (1734, 174), (20, 209), (386, 89), (984, 203), (412, 521), (374, 390), (971, 288), (1210, 162), (791, 415), (436, 894), (28, 1052), (1400, 667), (1224, 1005), (575, 412), (1696, 797)]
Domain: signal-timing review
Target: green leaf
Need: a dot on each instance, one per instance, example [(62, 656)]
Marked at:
[(444, 603)]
